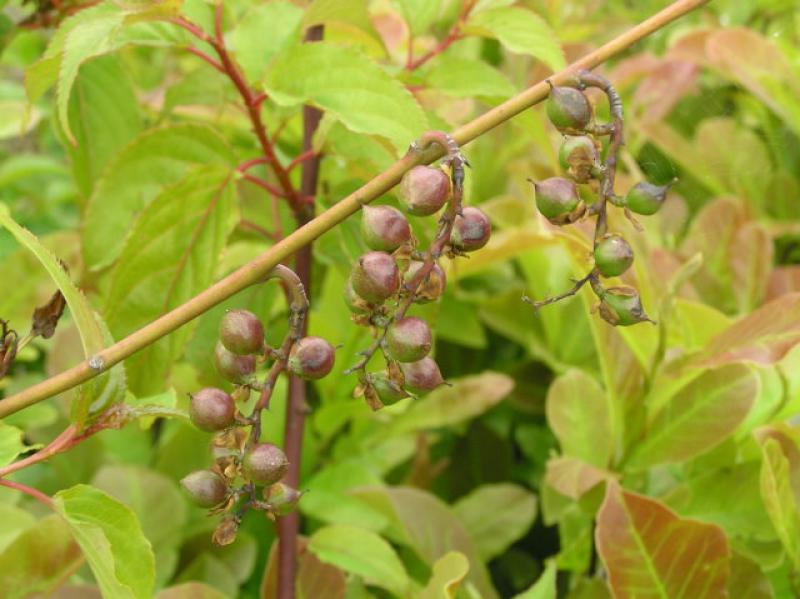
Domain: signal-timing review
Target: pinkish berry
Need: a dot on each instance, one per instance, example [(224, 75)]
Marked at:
[(265, 464), (408, 339), (471, 230), (311, 358), (206, 488), (424, 190), (241, 332), (375, 277), (384, 228), (236, 369), (422, 376), (212, 409)]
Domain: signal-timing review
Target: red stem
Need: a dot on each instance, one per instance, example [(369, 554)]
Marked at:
[(207, 58), (306, 155), (264, 185), (35, 493), (452, 36)]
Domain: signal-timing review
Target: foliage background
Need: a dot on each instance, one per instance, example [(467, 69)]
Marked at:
[(509, 466)]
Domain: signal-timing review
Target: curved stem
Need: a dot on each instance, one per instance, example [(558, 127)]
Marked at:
[(255, 269), (35, 493)]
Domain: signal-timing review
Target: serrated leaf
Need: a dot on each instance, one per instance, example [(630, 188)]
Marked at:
[(698, 417), (466, 78), (778, 497), (495, 516), (351, 87), (112, 541), (520, 30), (649, 551), (170, 255), (108, 387), (363, 553), (419, 14), (142, 171), (448, 573)]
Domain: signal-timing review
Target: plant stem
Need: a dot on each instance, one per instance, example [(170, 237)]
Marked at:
[(35, 493), (251, 272), (296, 406)]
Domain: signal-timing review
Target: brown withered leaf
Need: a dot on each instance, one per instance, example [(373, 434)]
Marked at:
[(46, 317), (225, 534)]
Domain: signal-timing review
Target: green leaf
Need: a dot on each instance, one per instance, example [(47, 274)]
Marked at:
[(419, 14), (545, 586), (13, 522), (649, 551), (252, 48), (109, 387), (779, 500), (448, 573), (352, 13), (467, 78), (495, 516), (520, 30), (581, 415), (112, 541), (139, 173), (363, 553), (699, 416), (351, 87), (191, 590), (11, 444), (170, 255), (39, 559)]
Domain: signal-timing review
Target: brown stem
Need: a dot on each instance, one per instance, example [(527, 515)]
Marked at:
[(557, 298)]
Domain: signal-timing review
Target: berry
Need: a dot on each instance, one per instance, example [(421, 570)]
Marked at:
[(621, 306), (558, 200), (612, 255), (212, 409), (384, 228), (432, 288), (408, 339), (471, 230), (282, 498), (375, 277), (646, 198), (241, 332), (422, 376), (388, 391), (206, 488), (265, 464), (579, 157), (233, 368), (354, 302), (568, 108), (424, 190), (311, 358)]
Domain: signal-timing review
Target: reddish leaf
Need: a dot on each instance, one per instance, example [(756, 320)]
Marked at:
[(649, 551), (783, 280), (573, 478)]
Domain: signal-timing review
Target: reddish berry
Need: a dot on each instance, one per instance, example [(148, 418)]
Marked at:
[(212, 409), (206, 488), (265, 464), (311, 358), (375, 277), (236, 369), (241, 332), (384, 228), (424, 190), (422, 376), (408, 339), (471, 230)]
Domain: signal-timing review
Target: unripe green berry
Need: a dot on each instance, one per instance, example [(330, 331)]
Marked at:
[(282, 498), (621, 306), (557, 199), (241, 332), (375, 277), (265, 464), (311, 358), (388, 391), (424, 190), (212, 409), (612, 255), (568, 109), (408, 339), (646, 198), (579, 157), (432, 287), (421, 377), (384, 228), (233, 368), (206, 488), (471, 230)]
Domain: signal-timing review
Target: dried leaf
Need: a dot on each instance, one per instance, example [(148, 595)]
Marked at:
[(46, 317)]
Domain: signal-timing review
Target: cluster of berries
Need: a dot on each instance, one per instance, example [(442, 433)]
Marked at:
[(559, 200), (396, 273), (242, 462)]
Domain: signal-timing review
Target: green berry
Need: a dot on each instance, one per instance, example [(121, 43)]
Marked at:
[(568, 109), (557, 197), (212, 409), (206, 488), (282, 498), (612, 255), (621, 306), (646, 198), (265, 464), (311, 358), (408, 339), (375, 277), (388, 390), (384, 228), (241, 332), (236, 369), (471, 230), (579, 157), (421, 377), (424, 190)]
